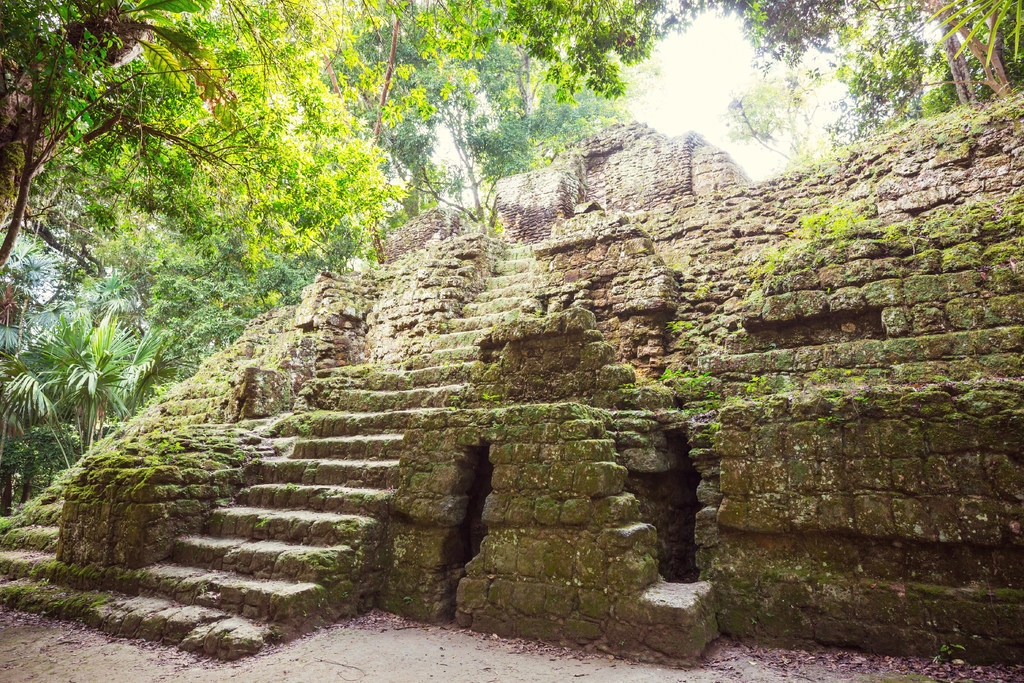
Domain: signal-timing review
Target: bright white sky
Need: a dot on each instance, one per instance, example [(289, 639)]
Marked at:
[(698, 73), (700, 70)]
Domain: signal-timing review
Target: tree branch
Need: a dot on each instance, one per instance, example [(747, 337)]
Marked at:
[(87, 261), (387, 78), (753, 132)]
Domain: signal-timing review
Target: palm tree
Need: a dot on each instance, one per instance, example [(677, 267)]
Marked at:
[(29, 269), (111, 295), (85, 374)]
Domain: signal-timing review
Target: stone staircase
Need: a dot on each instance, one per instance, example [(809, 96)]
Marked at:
[(299, 547), (303, 543)]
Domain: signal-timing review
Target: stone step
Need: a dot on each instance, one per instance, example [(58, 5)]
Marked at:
[(357, 377), (525, 288), (502, 305), (296, 604), (374, 474), (338, 499), (369, 447), (676, 620), (441, 357), (31, 538), (482, 322), (305, 527), (325, 423), (357, 400), (192, 628), (454, 340), (502, 281), (520, 252), (266, 559), (514, 265)]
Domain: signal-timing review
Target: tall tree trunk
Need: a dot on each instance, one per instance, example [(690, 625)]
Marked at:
[(17, 213), (29, 167), (523, 80), (998, 59), (378, 232), (995, 69), (388, 74), (26, 489), (958, 67), (6, 494), (474, 186), (980, 51), (333, 76), (3, 438)]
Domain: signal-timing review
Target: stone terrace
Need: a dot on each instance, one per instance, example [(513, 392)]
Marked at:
[(661, 404)]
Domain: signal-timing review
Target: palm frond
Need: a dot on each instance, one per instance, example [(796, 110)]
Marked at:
[(152, 366), (9, 336), (23, 399)]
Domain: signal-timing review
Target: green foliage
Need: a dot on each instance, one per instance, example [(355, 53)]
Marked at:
[(891, 58), (973, 16), (39, 454), (235, 94), (884, 58), (488, 111), (680, 326), (203, 291), (23, 288), (85, 374), (948, 652), (758, 386), (581, 44)]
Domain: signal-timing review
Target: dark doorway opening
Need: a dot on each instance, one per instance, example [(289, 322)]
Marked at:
[(668, 500), (473, 528)]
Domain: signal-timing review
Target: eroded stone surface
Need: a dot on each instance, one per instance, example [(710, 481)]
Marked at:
[(479, 431)]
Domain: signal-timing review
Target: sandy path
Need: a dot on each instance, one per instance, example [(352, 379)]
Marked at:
[(384, 648)]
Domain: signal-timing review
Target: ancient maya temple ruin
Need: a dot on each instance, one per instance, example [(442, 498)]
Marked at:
[(657, 403)]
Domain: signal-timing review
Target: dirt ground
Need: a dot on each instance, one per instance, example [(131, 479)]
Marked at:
[(380, 647)]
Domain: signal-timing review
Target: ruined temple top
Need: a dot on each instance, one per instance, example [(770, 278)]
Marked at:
[(627, 167)]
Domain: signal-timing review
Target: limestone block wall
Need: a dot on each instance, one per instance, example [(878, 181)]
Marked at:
[(527, 205), (865, 483), (666, 484), (564, 543), (719, 244), (605, 264), (430, 227), (630, 168), (560, 356), (335, 309), (555, 498), (888, 519), (133, 497), (949, 307), (712, 170)]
